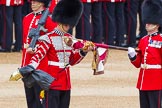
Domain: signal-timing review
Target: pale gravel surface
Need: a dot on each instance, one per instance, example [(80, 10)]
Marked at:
[(114, 89)]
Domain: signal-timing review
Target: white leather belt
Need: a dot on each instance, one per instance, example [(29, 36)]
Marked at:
[(61, 65), (147, 66)]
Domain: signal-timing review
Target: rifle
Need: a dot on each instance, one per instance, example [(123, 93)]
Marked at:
[(35, 32)]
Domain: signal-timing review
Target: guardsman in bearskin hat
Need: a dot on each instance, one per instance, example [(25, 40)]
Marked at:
[(60, 56), (30, 21), (149, 56), (53, 46)]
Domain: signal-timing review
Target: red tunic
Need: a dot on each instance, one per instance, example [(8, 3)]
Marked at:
[(31, 21), (58, 54), (150, 77), (12, 2)]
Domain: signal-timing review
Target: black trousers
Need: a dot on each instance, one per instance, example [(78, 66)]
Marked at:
[(151, 99), (131, 9), (32, 96), (10, 15), (90, 30), (113, 22), (57, 99)]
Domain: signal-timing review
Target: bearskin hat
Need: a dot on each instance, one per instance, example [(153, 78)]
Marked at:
[(67, 12), (152, 12)]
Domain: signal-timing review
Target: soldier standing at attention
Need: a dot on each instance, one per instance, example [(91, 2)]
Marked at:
[(31, 21), (149, 56), (53, 46)]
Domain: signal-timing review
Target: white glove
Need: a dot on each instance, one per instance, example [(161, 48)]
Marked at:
[(131, 52), (15, 76)]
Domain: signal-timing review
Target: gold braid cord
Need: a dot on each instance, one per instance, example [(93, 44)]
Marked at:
[(88, 44)]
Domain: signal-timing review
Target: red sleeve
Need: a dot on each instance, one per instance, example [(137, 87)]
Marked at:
[(76, 54), (137, 61), (76, 57), (39, 54)]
